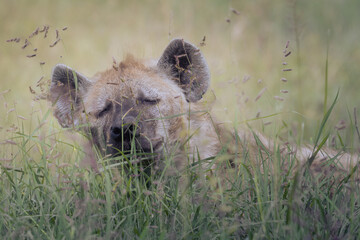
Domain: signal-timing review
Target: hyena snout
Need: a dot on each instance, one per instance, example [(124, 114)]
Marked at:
[(126, 130)]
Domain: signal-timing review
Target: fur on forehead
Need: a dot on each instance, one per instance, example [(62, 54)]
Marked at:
[(132, 71), (128, 69), (135, 74), (130, 65)]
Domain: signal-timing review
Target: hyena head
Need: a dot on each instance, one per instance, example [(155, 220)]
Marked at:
[(135, 103)]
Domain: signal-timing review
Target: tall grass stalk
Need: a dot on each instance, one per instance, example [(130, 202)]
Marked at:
[(49, 200), (326, 75)]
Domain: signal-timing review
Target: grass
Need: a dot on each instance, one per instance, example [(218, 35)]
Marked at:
[(50, 189), (44, 194)]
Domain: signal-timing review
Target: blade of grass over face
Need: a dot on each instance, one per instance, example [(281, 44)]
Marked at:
[(320, 132)]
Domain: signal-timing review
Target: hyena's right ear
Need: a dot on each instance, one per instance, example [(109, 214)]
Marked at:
[(66, 94), (187, 66)]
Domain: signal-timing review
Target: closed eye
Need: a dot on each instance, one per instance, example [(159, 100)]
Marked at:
[(149, 101), (105, 110)]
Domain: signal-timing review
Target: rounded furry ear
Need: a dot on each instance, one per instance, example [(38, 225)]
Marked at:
[(185, 64), (66, 93)]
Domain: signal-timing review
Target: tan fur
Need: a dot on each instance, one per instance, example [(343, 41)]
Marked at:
[(175, 125)]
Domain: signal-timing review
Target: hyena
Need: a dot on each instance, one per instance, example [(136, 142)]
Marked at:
[(155, 107)]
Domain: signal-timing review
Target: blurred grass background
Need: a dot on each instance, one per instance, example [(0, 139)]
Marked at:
[(244, 41)]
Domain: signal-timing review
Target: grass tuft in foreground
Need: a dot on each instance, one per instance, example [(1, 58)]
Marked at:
[(46, 194)]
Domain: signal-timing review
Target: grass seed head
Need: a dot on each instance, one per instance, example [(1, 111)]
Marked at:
[(246, 78), (234, 11), (278, 98), (287, 54), (34, 33), (260, 94), (287, 44)]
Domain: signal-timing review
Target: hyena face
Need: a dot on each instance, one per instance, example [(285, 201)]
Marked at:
[(134, 104)]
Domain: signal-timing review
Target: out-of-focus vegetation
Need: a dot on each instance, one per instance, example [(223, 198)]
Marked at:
[(43, 192), (243, 38)]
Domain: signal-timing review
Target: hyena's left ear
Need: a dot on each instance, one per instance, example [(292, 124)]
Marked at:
[(66, 94), (187, 66)]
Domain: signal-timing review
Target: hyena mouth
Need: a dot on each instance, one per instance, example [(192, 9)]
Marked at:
[(135, 145), (129, 140)]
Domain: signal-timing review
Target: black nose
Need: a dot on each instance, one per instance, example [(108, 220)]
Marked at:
[(126, 131)]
